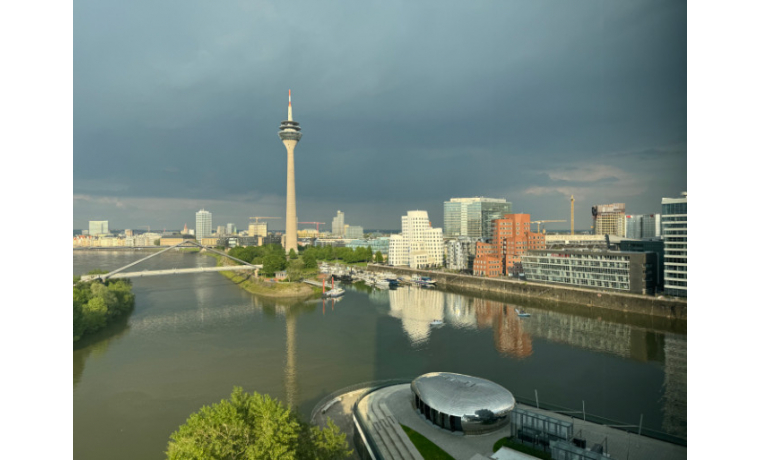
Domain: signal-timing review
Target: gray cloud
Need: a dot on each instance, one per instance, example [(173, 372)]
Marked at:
[(402, 105)]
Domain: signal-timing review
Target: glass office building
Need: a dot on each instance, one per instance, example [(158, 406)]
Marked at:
[(472, 217), (674, 233)]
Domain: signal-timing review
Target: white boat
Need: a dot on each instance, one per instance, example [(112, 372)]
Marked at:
[(521, 312), (334, 292), (382, 283), (436, 322)]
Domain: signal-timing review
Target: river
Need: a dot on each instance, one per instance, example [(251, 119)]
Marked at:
[(191, 338)]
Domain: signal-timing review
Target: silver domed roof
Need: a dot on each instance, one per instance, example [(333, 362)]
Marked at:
[(463, 395)]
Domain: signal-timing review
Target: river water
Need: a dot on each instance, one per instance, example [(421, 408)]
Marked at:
[(191, 338)]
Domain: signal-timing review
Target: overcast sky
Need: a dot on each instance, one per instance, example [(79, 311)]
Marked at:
[(403, 105)]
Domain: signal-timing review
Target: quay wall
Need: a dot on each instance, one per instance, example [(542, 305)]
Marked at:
[(623, 302)]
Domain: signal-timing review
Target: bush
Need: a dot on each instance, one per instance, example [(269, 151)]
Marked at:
[(96, 303)]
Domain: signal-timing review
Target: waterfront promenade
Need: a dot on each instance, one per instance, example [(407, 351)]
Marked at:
[(386, 409)]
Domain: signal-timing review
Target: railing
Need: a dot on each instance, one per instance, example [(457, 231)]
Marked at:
[(586, 416), (371, 386)]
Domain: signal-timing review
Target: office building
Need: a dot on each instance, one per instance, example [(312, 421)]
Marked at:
[(460, 253), (633, 272), (674, 234), (354, 232), (290, 134), (609, 219), (654, 245), (202, 224), (651, 226), (339, 224), (511, 239), (471, 217), (377, 244), (257, 229), (98, 227), (633, 226), (642, 226), (419, 245)]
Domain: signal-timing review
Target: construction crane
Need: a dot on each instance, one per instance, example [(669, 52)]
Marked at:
[(539, 222), (263, 217), (316, 223)]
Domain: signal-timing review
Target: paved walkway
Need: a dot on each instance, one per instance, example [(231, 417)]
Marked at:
[(341, 415), (395, 404)]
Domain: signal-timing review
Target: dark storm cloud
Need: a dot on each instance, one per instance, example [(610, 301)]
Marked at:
[(403, 105)]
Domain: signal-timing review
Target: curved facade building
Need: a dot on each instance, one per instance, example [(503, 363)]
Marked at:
[(462, 403)]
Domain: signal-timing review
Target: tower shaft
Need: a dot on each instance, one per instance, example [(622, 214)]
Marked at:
[(290, 134)]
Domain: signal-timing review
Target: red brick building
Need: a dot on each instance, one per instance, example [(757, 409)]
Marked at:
[(511, 239)]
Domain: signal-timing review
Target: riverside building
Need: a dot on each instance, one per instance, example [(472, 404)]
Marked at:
[(202, 224), (642, 226), (511, 239), (471, 217), (419, 245), (633, 272), (460, 253), (674, 235)]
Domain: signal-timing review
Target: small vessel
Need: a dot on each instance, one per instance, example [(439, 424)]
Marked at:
[(521, 312), (436, 322), (334, 292)]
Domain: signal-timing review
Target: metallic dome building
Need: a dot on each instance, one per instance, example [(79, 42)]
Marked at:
[(462, 403)]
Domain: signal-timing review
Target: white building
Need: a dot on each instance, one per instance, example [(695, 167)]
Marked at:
[(202, 224), (674, 233), (419, 245), (460, 253), (339, 224)]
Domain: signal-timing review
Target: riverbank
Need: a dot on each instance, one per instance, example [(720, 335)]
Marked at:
[(249, 282), (622, 302), (97, 304)]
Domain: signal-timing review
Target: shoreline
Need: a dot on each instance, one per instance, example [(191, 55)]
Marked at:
[(552, 293), (263, 288)]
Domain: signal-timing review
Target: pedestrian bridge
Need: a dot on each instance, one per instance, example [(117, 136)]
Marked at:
[(120, 273)]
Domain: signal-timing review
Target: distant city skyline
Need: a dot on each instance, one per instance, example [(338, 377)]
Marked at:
[(529, 101)]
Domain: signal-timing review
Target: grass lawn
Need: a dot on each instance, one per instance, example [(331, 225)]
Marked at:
[(427, 449), (508, 443)]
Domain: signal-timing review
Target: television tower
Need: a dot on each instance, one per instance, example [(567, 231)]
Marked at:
[(290, 133)]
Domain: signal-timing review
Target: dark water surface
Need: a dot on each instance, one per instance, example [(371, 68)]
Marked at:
[(191, 338)]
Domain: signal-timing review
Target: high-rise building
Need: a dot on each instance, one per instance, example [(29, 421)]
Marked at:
[(231, 229), (220, 230), (290, 134), (651, 226), (472, 217), (674, 233), (419, 245), (257, 229), (98, 227), (339, 224), (642, 226), (609, 219), (511, 239), (202, 224), (633, 226)]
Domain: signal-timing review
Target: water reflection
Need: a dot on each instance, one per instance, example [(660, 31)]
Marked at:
[(513, 336)]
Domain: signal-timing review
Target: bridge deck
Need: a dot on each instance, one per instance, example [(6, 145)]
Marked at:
[(173, 271)]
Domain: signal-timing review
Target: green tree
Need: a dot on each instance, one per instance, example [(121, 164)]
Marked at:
[(253, 426), (295, 270), (292, 254), (157, 242), (309, 260), (379, 257), (273, 263)]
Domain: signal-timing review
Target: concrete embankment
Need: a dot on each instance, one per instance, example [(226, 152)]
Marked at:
[(622, 302)]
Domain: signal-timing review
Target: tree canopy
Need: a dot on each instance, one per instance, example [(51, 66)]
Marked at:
[(254, 426), (96, 303)]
